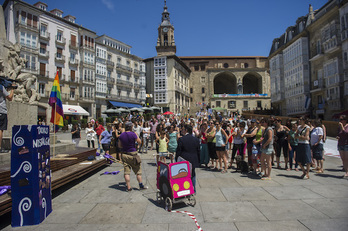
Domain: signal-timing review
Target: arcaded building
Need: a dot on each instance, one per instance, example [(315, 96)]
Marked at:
[(235, 83)]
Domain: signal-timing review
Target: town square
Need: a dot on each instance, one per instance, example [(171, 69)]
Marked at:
[(157, 116)]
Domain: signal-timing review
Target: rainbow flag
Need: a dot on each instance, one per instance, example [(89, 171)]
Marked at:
[(55, 102)]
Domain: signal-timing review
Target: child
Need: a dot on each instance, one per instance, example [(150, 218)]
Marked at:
[(163, 146)]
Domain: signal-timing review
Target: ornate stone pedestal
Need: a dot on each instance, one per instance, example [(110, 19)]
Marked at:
[(18, 114)]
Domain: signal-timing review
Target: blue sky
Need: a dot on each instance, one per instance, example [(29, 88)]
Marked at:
[(202, 27)]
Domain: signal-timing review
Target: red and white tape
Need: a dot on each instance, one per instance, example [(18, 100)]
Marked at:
[(192, 216)]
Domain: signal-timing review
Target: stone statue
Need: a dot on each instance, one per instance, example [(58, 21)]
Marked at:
[(25, 91), (11, 65)]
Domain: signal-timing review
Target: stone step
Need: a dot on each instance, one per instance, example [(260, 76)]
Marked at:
[(60, 148)]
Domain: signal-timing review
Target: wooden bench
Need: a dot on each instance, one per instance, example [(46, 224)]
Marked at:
[(63, 172)]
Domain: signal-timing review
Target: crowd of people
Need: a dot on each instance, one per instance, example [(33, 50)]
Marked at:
[(224, 143)]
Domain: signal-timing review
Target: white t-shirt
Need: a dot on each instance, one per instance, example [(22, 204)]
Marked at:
[(90, 134), (146, 132), (316, 132), (238, 139)]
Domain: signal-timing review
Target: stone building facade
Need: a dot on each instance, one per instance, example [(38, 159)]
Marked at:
[(87, 64), (231, 82), (316, 84)]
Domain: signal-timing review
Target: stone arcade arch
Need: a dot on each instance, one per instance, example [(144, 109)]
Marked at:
[(225, 83), (252, 83)]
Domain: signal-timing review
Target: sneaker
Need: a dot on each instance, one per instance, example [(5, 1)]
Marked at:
[(143, 187), (128, 190)]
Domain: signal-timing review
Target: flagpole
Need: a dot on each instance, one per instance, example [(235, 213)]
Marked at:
[(54, 130)]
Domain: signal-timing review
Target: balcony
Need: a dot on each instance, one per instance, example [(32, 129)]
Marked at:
[(73, 45), (30, 69), (110, 64), (44, 53), (87, 81), (30, 27), (110, 80), (86, 47), (30, 48), (182, 91), (60, 40), (316, 54), (45, 36), (123, 68), (318, 85), (123, 98), (124, 83), (331, 45), (43, 74), (136, 72), (87, 64), (137, 85), (73, 79), (74, 62), (59, 57), (86, 98)]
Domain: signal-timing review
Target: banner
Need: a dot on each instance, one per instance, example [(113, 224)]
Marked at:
[(30, 175)]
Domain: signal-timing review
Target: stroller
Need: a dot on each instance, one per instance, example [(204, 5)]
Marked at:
[(174, 184)]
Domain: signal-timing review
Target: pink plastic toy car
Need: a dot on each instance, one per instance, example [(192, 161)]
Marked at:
[(174, 184)]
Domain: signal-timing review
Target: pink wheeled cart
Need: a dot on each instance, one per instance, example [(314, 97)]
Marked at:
[(174, 184)]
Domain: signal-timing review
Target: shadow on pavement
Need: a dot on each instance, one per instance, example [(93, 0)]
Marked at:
[(289, 176), (120, 186)]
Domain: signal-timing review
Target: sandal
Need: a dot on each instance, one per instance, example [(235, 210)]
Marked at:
[(129, 189), (223, 171), (266, 178)]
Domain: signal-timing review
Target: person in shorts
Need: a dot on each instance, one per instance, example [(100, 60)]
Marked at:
[(130, 156), (105, 139)]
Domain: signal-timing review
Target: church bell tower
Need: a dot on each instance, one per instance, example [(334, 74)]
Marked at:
[(165, 41)]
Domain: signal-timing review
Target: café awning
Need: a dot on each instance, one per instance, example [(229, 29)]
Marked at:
[(74, 110)]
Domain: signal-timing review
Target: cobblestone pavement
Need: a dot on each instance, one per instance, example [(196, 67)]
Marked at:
[(230, 201)]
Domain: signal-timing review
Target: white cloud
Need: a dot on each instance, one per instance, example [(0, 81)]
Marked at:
[(108, 4)]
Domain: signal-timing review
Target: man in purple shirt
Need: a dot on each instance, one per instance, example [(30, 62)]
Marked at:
[(130, 156)]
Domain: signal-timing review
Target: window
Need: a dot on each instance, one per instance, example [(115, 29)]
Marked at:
[(191, 90), (42, 89), (245, 104), (259, 105), (160, 62), (29, 40), (203, 67), (196, 67), (43, 30), (128, 63), (118, 60), (225, 65), (203, 90), (118, 75), (246, 65), (43, 48), (72, 93), (218, 103), (59, 35), (31, 62), (59, 53), (231, 104), (72, 57), (203, 99)]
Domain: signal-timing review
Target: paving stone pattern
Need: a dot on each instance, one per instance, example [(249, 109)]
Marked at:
[(228, 201)]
